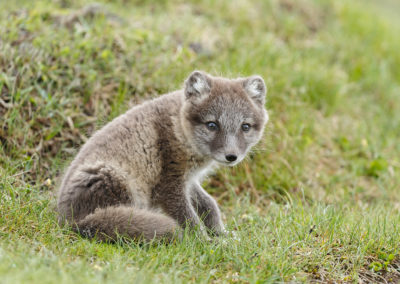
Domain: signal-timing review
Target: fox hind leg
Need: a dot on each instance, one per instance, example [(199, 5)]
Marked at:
[(98, 204), (90, 188)]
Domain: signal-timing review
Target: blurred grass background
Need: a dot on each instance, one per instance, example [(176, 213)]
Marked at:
[(329, 159)]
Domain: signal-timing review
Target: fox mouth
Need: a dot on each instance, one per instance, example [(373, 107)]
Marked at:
[(227, 163)]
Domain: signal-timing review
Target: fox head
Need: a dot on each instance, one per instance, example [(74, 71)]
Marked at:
[(224, 118)]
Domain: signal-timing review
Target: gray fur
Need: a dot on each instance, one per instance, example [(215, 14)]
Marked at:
[(139, 176)]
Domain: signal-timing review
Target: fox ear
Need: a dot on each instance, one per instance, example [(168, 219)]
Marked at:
[(256, 89), (197, 85)]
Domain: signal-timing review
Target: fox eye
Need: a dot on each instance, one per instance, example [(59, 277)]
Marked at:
[(212, 126), (246, 127)]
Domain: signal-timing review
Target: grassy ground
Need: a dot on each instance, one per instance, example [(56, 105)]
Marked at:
[(317, 200)]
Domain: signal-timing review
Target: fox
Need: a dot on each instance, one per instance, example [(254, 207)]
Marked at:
[(140, 175)]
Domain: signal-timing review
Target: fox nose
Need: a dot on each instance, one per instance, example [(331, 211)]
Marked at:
[(231, 158)]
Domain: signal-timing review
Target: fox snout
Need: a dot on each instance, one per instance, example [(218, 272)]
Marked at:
[(230, 152)]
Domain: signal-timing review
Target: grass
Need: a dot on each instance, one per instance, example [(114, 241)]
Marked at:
[(318, 200)]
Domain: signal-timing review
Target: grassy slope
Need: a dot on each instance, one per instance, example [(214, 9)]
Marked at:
[(329, 160)]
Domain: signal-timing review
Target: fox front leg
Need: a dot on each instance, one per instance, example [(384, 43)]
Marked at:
[(207, 209)]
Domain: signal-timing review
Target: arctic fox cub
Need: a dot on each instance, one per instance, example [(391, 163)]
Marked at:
[(139, 176)]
